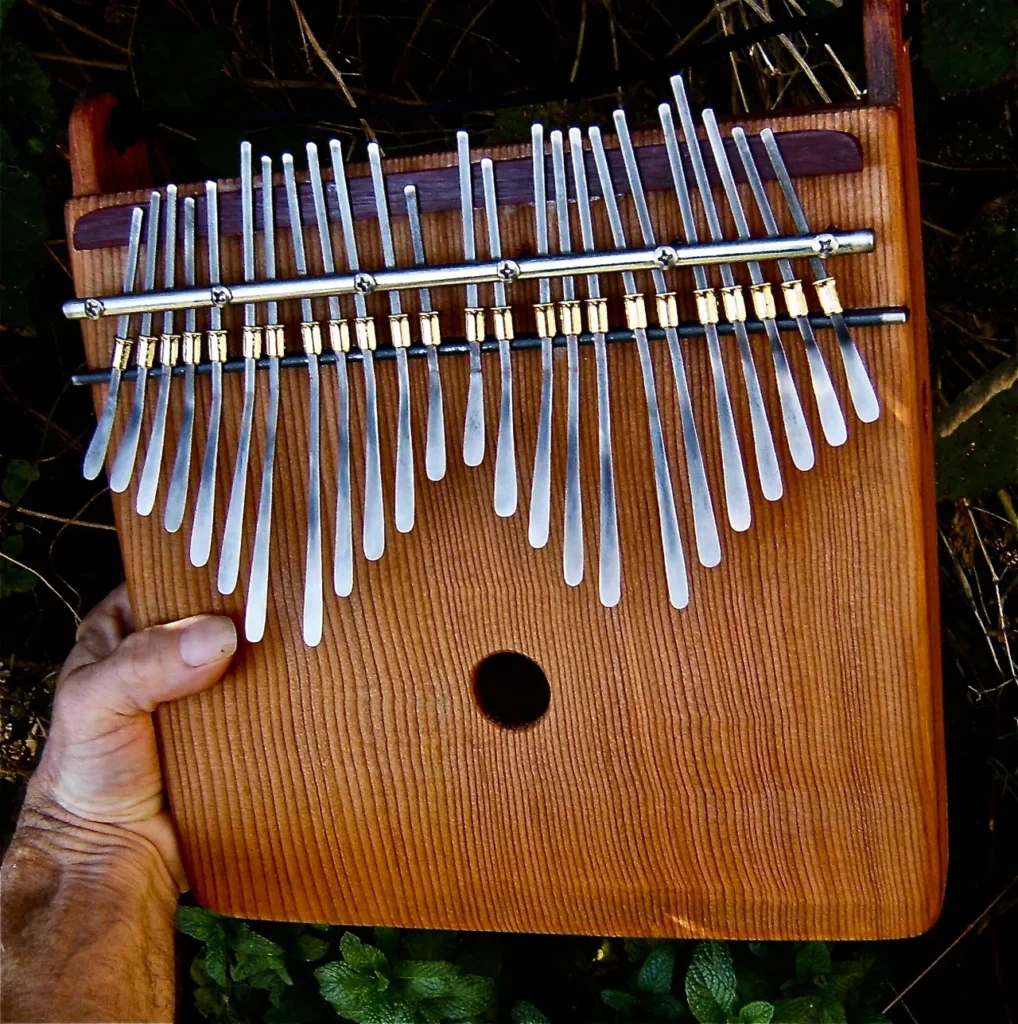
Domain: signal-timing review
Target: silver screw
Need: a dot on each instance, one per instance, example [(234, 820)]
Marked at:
[(508, 270), (363, 284), (94, 308), (665, 256), (825, 245), (221, 295)]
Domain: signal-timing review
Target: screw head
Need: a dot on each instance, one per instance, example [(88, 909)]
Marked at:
[(508, 270), (94, 308), (665, 256), (825, 245), (363, 284), (221, 295)]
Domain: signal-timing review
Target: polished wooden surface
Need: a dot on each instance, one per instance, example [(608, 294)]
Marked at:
[(767, 762)]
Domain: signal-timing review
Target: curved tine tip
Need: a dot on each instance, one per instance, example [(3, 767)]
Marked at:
[(287, 158), (410, 190), (210, 185), (171, 190), (245, 146), (486, 162), (575, 136)]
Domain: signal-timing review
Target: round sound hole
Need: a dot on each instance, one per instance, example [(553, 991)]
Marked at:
[(511, 689)]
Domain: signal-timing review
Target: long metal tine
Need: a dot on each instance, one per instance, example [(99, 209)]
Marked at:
[(311, 338), (540, 495), (732, 470), (708, 544), (860, 386), (473, 426), (258, 584), (572, 542), (832, 420), (671, 541), (434, 455), (800, 446), (763, 442), (506, 494), (339, 340), (609, 567), (229, 552), (400, 329), (169, 345), (190, 351), (144, 350), (96, 454), (374, 509)]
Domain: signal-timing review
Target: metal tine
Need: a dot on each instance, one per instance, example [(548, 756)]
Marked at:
[(312, 343), (339, 340), (473, 426), (190, 353), (229, 552), (832, 420), (572, 541), (400, 330), (205, 506), (735, 310), (708, 545), (732, 470), (860, 386), (374, 509), (144, 352), (540, 495), (169, 348), (96, 454), (258, 583), (506, 493), (434, 455), (609, 568), (671, 541), (800, 446)]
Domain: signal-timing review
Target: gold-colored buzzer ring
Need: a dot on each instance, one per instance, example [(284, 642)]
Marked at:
[(734, 302), (217, 345), (636, 312), (275, 341), (399, 330), (706, 305), (431, 330), (364, 332), (474, 324), (544, 315), (190, 347), (145, 354), (667, 309), (251, 342), (121, 353), (764, 305), (169, 348), (569, 317), (795, 299), (339, 335), (827, 293), (502, 319)]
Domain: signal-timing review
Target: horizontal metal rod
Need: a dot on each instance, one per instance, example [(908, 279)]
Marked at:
[(876, 317), (824, 243)]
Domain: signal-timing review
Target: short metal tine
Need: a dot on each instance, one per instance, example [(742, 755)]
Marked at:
[(96, 454), (609, 565), (671, 541), (205, 506), (311, 338), (256, 609), (399, 328), (800, 446), (434, 455), (506, 493), (540, 495), (190, 352), (832, 420), (708, 545), (169, 347), (473, 427), (736, 488), (768, 469), (860, 386), (572, 541), (144, 350), (374, 509), (229, 552), (339, 342)]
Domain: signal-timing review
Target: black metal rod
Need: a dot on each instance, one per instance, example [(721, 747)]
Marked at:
[(875, 317)]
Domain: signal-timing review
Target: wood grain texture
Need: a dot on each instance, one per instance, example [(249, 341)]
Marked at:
[(766, 763)]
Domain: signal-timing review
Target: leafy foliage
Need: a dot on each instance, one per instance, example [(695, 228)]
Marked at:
[(969, 44)]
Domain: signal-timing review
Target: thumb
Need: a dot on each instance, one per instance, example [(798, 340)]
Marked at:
[(157, 664)]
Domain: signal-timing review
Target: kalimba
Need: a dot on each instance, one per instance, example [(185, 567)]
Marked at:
[(649, 650)]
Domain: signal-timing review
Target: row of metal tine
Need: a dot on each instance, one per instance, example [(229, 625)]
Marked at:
[(564, 316)]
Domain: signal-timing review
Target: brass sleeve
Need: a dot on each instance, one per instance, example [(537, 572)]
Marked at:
[(734, 302), (706, 305), (275, 341), (764, 305), (364, 332), (431, 330), (667, 309), (795, 298), (251, 342), (636, 312), (217, 345)]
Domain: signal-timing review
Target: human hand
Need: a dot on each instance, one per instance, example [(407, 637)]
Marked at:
[(100, 764)]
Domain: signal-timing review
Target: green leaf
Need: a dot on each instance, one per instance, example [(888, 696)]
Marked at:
[(759, 1012), (385, 1010), (813, 958), (19, 476), (664, 1006), (472, 996), (801, 1010), (360, 956), (427, 979), (636, 949), (526, 1013), (215, 956), (710, 983), (655, 974), (848, 975), (197, 922), (347, 990), (832, 1011), (247, 940), (310, 947), (388, 940), (430, 945), (618, 1000), (968, 44), (14, 579)]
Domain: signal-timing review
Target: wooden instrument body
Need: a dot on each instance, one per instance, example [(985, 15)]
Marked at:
[(765, 763)]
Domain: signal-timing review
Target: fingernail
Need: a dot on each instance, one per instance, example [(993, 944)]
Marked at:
[(210, 638)]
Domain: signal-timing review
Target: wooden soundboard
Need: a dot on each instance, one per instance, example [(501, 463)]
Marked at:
[(765, 763)]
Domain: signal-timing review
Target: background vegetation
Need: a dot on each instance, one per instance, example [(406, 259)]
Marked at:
[(193, 79)]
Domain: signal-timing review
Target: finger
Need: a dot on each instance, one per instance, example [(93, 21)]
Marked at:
[(101, 630), (154, 665)]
